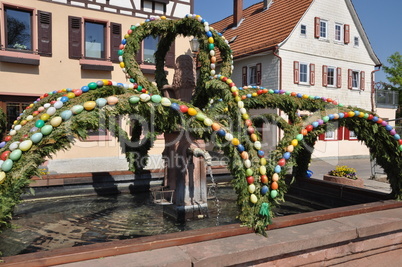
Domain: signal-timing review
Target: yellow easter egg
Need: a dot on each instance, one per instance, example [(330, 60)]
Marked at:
[(263, 170), (89, 105), (192, 111), (2, 177), (251, 189), (263, 161), (56, 121), (44, 116), (294, 142), (235, 141), (253, 198), (70, 95)]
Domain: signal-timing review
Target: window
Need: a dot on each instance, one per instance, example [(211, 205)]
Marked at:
[(323, 29), (25, 31), (157, 6), (330, 135), (93, 46), (251, 75), (304, 73), (331, 76), (19, 29), (356, 41), (352, 135), (13, 106), (303, 30), (356, 79), (150, 47), (338, 32), (95, 40)]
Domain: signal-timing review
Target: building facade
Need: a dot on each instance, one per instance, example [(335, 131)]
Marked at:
[(316, 48), (48, 45)]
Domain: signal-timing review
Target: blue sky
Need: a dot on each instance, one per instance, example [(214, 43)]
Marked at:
[(381, 20)]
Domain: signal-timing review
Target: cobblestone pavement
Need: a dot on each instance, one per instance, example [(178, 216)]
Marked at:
[(363, 168)]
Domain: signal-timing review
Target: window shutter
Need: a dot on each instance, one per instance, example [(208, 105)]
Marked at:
[(312, 74), (44, 33), (244, 75), (346, 32), (340, 133), (362, 80), (347, 134), (115, 41), (139, 56), (350, 84), (258, 67), (317, 27), (296, 72), (338, 77), (171, 56), (74, 37), (321, 136), (324, 75)]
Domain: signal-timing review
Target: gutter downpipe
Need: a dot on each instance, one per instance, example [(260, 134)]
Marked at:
[(276, 49), (373, 87), (275, 53)]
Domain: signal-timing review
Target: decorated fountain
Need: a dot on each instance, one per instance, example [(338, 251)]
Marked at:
[(54, 121)]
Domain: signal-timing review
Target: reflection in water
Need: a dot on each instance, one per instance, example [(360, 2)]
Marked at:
[(75, 221)]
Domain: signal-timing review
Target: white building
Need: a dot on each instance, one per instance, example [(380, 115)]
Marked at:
[(312, 47)]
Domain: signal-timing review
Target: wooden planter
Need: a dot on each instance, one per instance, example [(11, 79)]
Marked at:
[(343, 180)]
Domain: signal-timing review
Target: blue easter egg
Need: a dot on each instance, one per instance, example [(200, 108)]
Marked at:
[(221, 133), (101, 102), (315, 124), (64, 99), (240, 147), (36, 137), (341, 115), (260, 153), (388, 127), (2, 144), (66, 115), (264, 190), (397, 137), (278, 169), (286, 155), (85, 89), (175, 106), (375, 118)]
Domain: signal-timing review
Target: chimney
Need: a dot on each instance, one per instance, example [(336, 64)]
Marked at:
[(237, 11)]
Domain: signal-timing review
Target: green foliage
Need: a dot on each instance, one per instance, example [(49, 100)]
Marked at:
[(394, 70)]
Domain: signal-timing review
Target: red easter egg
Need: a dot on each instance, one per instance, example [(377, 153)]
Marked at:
[(282, 162), (183, 108), (309, 128), (264, 179), (4, 155), (250, 179)]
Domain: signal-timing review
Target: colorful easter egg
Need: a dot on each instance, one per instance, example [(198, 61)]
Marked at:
[(66, 115), (47, 129), (27, 144), (56, 121), (7, 165), (166, 102), (253, 198), (2, 177), (89, 105), (77, 109), (145, 97), (101, 102), (251, 188), (13, 146), (15, 155), (36, 137)]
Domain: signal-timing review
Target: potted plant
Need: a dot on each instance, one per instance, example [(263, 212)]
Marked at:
[(344, 175)]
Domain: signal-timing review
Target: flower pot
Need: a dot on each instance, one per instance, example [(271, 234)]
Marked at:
[(343, 180)]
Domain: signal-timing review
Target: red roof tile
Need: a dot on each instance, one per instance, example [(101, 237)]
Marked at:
[(262, 30)]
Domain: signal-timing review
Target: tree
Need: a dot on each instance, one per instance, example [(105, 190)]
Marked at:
[(394, 71)]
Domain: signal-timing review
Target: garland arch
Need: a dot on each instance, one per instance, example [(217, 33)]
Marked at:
[(53, 121)]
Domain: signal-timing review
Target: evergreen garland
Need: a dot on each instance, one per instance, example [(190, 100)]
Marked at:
[(215, 95)]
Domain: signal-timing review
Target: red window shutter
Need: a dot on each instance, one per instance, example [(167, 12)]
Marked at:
[(362, 80), (296, 72), (244, 75), (347, 134), (340, 133), (338, 77), (258, 67), (44, 33), (350, 83), (115, 41), (312, 74), (171, 56), (317, 27), (321, 136), (346, 32), (324, 75), (74, 37)]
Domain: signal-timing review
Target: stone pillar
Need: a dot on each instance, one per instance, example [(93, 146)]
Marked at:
[(184, 172)]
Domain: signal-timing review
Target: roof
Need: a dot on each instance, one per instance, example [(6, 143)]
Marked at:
[(261, 29)]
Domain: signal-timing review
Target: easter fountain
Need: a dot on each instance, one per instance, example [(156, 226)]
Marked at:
[(258, 177)]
